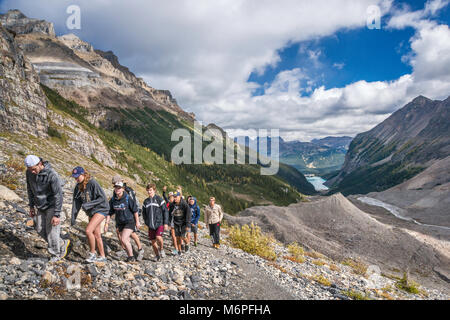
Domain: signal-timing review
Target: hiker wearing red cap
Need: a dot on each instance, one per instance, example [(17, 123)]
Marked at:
[(89, 196)]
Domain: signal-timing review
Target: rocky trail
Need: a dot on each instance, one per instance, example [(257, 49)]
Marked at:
[(201, 273)]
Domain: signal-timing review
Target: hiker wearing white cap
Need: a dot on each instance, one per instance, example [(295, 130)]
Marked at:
[(127, 219), (45, 193), (134, 236)]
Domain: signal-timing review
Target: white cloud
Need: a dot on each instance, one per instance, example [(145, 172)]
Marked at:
[(204, 51)]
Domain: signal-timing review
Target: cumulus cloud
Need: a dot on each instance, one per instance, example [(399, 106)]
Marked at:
[(204, 52)]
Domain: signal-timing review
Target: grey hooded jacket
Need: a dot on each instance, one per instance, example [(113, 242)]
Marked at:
[(44, 189)]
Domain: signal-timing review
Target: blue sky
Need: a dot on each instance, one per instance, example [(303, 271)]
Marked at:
[(349, 55), (308, 68)]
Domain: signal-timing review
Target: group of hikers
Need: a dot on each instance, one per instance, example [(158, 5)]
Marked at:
[(170, 212)]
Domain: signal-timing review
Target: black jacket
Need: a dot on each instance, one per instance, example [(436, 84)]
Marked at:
[(123, 208), (154, 212), (93, 200), (181, 213), (44, 189)]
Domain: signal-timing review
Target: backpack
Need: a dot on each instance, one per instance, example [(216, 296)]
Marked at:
[(131, 192)]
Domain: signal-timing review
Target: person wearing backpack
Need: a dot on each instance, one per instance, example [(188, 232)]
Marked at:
[(195, 209), (169, 202), (127, 218), (181, 214), (134, 235), (156, 217)]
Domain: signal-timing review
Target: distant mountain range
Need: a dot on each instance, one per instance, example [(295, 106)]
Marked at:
[(320, 156), (409, 141)]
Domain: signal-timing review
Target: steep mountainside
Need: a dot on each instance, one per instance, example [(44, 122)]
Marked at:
[(337, 228), (425, 197), (406, 143), (123, 125)]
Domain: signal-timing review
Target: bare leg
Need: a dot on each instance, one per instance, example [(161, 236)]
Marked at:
[(99, 240), (135, 237), (155, 248), (125, 235), (174, 239), (159, 240), (92, 235), (120, 239)]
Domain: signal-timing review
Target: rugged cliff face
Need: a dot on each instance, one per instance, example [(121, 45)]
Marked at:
[(20, 24), (93, 78), (410, 140), (22, 102)]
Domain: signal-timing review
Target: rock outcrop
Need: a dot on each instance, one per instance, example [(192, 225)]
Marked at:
[(22, 102), (20, 24)]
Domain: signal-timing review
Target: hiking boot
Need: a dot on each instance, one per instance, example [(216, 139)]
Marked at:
[(157, 258), (101, 259), (174, 252), (186, 248), (183, 247), (195, 244), (67, 248), (140, 255), (92, 257), (130, 259)]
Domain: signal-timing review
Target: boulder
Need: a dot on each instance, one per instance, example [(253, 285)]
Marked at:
[(8, 195)]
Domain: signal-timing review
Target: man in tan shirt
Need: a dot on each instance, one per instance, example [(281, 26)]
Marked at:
[(213, 218)]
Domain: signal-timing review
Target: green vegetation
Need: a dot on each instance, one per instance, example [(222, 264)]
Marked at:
[(141, 142), (322, 280), (407, 285), (355, 295), (251, 240), (297, 253), (358, 266)]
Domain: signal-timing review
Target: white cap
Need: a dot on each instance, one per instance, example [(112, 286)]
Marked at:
[(32, 160), (118, 184)]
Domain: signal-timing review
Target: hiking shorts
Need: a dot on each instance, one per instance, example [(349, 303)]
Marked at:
[(128, 225), (152, 233), (180, 230), (194, 228)]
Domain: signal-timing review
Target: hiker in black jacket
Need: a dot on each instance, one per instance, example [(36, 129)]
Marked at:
[(169, 202), (134, 235), (125, 209), (156, 217), (181, 219), (89, 196)]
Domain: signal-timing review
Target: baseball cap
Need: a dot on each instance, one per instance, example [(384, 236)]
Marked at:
[(118, 184), (176, 194), (170, 193), (78, 171), (31, 161)]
